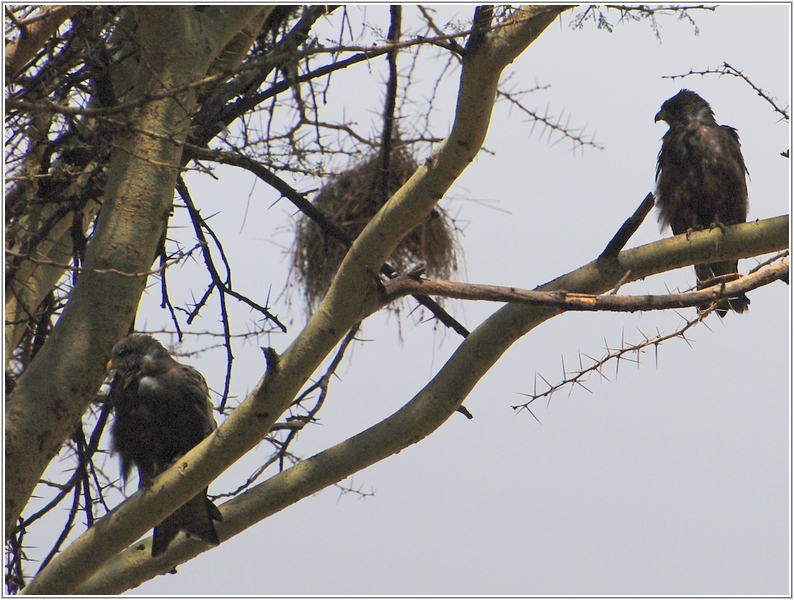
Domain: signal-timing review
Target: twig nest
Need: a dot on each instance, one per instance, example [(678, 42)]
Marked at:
[(350, 199)]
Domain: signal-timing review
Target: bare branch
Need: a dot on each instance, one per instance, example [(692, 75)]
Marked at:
[(408, 284), (33, 34), (624, 352), (598, 14), (172, 260), (551, 124), (621, 238), (318, 217), (726, 69)]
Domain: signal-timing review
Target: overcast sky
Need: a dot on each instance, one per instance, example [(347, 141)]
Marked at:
[(670, 478)]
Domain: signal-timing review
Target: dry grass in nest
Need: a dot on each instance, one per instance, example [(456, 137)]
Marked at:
[(350, 200)]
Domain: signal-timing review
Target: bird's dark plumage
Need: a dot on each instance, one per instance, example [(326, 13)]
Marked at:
[(700, 180), (162, 411)]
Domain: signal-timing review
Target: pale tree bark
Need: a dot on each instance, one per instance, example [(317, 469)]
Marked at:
[(420, 417), (178, 45), (36, 275), (37, 29), (134, 213), (352, 292)]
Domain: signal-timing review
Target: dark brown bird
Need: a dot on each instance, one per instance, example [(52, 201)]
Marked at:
[(700, 181), (162, 411)]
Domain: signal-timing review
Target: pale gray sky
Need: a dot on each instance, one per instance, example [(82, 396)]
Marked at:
[(667, 479)]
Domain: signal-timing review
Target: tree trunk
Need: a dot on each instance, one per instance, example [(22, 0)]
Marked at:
[(178, 45)]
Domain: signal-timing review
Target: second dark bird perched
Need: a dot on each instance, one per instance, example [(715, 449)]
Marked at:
[(700, 180), (162, 411)]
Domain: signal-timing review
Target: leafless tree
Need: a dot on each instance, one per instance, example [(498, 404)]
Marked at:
[(108, 106)]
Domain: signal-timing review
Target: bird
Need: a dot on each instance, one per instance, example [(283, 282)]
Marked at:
[(162, 410), (700, 182)]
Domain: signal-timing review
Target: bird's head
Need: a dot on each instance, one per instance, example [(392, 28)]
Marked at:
[(136, 351), (684, 107)]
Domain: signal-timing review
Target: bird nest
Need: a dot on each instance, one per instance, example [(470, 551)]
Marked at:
[(350, 200)]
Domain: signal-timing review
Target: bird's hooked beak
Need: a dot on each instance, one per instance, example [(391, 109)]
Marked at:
[(660, 116), (110, 378), (146, 362)]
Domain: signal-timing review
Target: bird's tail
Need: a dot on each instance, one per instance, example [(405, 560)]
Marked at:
[(194, 518), (711, 274)]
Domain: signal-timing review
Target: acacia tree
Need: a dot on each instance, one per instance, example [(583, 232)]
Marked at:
[(108, 106)]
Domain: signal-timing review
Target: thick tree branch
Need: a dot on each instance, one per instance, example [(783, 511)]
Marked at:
[(316, 215), (347, 301), (418, 418), (33, 36), (58, 385), (707, 246), (149, 153)]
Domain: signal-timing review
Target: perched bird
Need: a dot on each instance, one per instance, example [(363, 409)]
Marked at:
[(162, 411), (700, 181)]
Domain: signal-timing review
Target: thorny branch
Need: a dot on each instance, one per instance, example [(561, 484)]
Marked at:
[(222, 285), (551, 124), (60, 136), (452, 44), (174, 259), (597, 14), (297, 420), (624, 352), (85, 475), (580, 375), (362, 53), (328, 226), (726, 69)]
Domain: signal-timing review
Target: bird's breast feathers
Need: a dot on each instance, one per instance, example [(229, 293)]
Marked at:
[(149, 384)]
